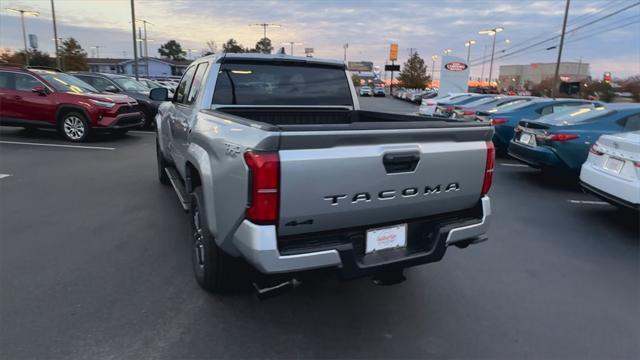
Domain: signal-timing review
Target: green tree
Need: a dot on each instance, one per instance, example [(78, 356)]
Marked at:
[(264, 46), (632, 85), (72, 56), (355, 78), (172, 50), (414, 73), (36, 58), (232, 46)]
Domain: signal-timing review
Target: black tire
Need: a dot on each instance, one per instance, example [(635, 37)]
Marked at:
[(148, 119), (74, 126), (162, 164), (212, 267)]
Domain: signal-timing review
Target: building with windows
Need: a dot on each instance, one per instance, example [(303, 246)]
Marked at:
[(519, 76), (156, 67)]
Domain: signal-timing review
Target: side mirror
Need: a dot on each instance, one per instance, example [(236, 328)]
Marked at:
[(159, 94), (112, 89), (40, 90)]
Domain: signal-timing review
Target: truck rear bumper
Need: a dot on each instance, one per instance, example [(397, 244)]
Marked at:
[(427, 242)]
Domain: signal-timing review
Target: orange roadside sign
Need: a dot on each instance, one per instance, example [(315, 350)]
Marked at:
[(393, 52)]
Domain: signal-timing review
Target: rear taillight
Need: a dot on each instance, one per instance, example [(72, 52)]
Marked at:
[(488, 170), (450, 108), (560, 137), (595, 150), (467, 112), (636, 164), (265, 186), (496, 121)]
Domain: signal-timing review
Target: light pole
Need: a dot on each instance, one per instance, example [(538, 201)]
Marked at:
[(135, 47), (345, 47), (146, 48), (447, 51), (22, 13), (433, 64), (494, 33), (468, 46), (55, 34), (265, 26), (291, 43)]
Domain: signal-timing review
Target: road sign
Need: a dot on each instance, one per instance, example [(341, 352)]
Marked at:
[(393, 52), (392, 68), (33, 41)]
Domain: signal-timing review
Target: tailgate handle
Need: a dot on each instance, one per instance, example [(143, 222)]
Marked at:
[(400, 162)]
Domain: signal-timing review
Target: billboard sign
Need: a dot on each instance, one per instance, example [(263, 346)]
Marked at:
[(360, 66), (392, 68), (393, 52), (454, 75)]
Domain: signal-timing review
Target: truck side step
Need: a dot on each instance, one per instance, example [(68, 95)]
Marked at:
[(178, 187)]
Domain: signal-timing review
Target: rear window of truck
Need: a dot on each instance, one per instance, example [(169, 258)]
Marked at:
[(281, 84)]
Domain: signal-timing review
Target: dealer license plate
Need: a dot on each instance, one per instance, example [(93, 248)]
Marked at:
[(386, 238)]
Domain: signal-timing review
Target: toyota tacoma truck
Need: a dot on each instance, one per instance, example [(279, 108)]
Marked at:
[(275, 163)]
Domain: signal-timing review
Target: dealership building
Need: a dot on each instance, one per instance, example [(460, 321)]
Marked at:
[(518, 76)]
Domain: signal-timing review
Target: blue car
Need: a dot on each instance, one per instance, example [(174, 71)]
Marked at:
[(506, 118), (562, 141)]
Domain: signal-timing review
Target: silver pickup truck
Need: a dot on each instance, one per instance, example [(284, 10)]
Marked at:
[(275, 163)]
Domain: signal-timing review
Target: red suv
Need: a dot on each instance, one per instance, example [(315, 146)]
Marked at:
[(34, 98)]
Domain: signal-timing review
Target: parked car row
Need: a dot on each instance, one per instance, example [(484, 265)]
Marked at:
[(597, 140), (75, 103), (368, 91), (415, 95)]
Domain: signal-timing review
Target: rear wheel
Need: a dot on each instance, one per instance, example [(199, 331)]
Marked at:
[(211, 266), (74, 126)]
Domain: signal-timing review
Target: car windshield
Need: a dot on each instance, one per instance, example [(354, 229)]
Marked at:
[(65, 82), (130, 84), (577, 115), (282, 84)]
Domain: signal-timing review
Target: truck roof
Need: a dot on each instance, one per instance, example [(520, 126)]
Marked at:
[(279, 58)]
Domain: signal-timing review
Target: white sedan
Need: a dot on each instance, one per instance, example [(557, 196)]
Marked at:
[(612, 170)]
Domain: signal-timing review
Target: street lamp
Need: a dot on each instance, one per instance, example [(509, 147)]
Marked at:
[(291, 43), (447, 51), (433, 64), (468, 46), (22, 13), (265, 26), (491, 32)]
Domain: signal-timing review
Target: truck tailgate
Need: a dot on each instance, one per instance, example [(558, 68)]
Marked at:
[(339, 179)]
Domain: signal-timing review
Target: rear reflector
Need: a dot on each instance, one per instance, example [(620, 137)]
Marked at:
[(488, 172), (561, 137), (496, 121), (265, 186)]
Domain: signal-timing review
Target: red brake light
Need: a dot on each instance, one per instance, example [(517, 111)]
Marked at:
[(450, 108), (561, 137), (496, 121), (468, 112), (265, 186), (488, 172)]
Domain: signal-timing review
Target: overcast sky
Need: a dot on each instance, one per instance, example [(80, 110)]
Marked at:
[(368, 26)]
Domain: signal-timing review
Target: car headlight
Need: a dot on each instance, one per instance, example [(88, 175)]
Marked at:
[(104, 104)]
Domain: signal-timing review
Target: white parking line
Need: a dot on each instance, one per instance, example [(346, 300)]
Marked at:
[(513, 165), (58, 145), (588, 202), (2, 176)]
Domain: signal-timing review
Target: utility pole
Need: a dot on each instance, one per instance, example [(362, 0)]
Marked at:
[(554, 91), (412, 51), (55, 35), (291, 43), (133, 33), (345, 47), (264, 28), (145, 54)]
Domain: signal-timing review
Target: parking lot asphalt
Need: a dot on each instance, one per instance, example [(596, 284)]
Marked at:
[(95, 263)]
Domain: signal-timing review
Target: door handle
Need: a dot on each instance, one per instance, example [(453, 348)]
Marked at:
[(400, 162)]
